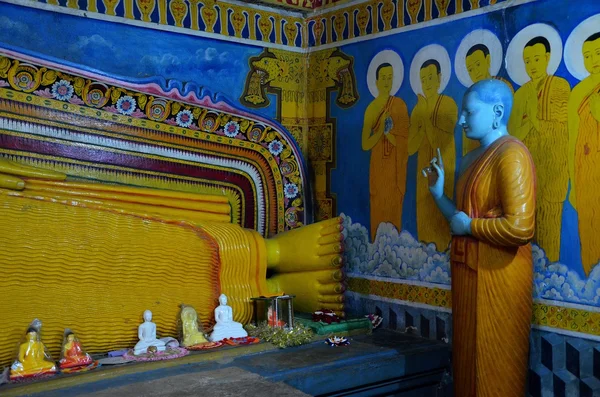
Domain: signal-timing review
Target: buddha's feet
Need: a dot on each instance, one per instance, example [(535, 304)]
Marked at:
[(307, 262)]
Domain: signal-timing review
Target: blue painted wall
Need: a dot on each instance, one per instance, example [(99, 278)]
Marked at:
[(352, 169), (130, 51)]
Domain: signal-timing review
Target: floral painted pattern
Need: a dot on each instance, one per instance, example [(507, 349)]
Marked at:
[(126, 105), (62, 90), (275, 147), (231, 129), (184, 118), (290, 190)]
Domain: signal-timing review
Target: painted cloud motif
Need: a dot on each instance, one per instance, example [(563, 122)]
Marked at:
[(401, 256)]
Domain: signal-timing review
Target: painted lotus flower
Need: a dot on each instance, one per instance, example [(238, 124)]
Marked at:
[(290, 190), (126, 105), (184, 118), (335, 341), (275, 147), (62, 90), (231, 129)]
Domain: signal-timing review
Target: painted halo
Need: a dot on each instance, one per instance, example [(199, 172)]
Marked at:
[(432, 51), (479, 36), (574, 46), (385, 56), (515, 65)]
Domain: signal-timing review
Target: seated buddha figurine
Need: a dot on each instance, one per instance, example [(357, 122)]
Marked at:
[(225, 326), (32, 360), (492, 224), (191, 335), (72, 353), (147, 335)]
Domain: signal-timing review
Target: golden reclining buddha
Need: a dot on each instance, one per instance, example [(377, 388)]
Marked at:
[(109, 210), (94, 256)]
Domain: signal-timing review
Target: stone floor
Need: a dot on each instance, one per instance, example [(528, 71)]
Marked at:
[(224, 382), (384, 363)]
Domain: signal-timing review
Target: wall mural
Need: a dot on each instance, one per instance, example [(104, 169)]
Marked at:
[(393, 231), (302, 93), (233, 21), (128, 51)]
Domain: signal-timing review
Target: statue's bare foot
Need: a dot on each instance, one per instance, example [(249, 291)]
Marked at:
[(307, 262)]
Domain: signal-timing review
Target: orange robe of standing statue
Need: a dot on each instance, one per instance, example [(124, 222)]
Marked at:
[(492, 273), (387, 172), (471, 144), (432, 227), (587, 181)]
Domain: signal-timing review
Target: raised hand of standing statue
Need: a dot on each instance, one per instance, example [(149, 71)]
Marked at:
[(435, 175)]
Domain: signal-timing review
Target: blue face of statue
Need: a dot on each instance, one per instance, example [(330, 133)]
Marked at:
[(476, 117)]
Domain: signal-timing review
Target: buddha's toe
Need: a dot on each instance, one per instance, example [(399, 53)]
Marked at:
[(331, 298), (331, 288)]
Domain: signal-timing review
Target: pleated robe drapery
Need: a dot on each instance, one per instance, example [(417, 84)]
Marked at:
[(492, 273)]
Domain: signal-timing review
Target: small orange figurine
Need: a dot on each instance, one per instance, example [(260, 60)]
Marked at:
[(72, 353)]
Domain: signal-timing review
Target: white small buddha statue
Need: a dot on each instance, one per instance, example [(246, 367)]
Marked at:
[(225, 326), (147, 335)]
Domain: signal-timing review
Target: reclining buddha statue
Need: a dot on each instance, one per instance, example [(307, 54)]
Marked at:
[(94, 256)]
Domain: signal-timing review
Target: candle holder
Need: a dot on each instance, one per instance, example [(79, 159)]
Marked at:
[(276, 311)]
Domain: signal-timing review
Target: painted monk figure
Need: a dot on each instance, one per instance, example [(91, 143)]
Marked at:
[(492, 224), (385, 133), (539, 120), (478, 62), (584, 155), (432, 125)]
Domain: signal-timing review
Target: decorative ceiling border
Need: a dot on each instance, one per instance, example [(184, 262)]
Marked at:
[(220, 20), (264, 26)]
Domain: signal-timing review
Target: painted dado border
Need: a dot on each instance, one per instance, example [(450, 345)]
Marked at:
[(554, 316), (263, 26)]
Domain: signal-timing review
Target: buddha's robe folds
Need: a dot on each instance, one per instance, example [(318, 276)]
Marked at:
[(95, 256), (587, 181), (549, 148), (492, 273), (471, 144), (432, 227), (387, 173)]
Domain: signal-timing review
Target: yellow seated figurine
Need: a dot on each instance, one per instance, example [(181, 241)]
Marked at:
[(189, 323), (32, 360)]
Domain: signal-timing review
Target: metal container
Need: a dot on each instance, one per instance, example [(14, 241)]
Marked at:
[(276, 311)]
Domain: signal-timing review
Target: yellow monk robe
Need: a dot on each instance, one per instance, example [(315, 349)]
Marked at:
[(492, 273), (548, 146), (432, 227), (470, 144), (587, 182), (387, 173)]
